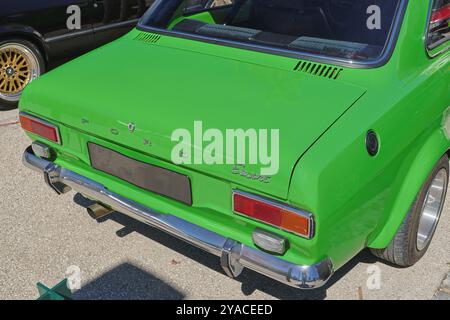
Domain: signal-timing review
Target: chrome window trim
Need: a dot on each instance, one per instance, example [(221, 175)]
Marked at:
[(277, 204), (34, 118), (382, 60), (427, 31)]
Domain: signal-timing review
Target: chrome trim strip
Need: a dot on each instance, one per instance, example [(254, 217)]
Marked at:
[(427, 31), (92, 30), (280, 205), (128, 23), (58, 136), (234, 255), (70, 35), (382, 60)]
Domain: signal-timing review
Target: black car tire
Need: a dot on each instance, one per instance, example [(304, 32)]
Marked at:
[(36, 64), (408, 245)]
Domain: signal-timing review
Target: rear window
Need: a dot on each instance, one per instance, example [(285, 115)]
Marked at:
[(439, 29), (355, 30)]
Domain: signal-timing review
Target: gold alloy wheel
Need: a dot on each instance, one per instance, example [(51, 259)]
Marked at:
[(18, 67)]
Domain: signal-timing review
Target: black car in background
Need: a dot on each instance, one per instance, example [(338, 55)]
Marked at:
[(37, 35)]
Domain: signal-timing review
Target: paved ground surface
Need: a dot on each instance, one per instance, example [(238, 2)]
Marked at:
[(444, 291), (42, 235)]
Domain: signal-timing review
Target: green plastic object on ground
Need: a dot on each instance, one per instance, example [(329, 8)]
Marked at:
[(58, 292)]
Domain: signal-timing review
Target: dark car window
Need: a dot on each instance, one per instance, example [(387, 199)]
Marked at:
[(123, 10), (200, 5), (350, 29), (439, 29)]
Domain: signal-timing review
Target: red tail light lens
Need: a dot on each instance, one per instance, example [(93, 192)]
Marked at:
[(39, 127), (441, 14), (275, 214)]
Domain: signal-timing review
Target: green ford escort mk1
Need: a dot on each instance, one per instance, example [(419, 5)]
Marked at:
[(283, 136)]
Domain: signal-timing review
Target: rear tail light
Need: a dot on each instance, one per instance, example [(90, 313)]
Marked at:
[(273, 213), (441, 14), (40, 127), (439, 25)]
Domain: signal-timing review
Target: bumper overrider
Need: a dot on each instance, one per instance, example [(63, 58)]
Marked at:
[(234, 256)]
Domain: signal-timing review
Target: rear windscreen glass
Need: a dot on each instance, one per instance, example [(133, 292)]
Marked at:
[(347, 29)]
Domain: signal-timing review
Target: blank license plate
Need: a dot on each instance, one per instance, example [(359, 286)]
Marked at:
[(146, 176)]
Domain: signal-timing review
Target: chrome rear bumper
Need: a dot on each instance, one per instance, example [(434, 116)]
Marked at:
[(234, 256)]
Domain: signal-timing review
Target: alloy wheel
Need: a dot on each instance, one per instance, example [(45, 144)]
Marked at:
[(18, 67), (431, 209)]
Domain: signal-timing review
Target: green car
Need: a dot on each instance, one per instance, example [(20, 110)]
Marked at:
[(283, 136)]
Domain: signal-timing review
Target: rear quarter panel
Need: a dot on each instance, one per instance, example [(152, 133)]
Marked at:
[(360, 200)]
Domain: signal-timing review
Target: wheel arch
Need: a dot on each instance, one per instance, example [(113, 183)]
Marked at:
[(435, 146), (25, 33)]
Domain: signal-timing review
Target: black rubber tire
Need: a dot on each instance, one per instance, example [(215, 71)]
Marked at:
[(7, 105), (402, 251)]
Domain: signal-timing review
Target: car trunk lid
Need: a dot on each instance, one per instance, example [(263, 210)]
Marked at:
[(137, 95)]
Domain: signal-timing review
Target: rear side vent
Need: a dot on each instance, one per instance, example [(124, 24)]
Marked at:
[(319, 70), (147, 37)]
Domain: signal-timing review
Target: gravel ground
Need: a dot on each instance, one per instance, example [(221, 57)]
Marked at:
[(444, 290), (43, 235)]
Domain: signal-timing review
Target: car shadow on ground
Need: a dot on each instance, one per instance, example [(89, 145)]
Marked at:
[(127, 282), (250, 280)]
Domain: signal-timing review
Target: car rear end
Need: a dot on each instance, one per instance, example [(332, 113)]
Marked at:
[(110, 140), (218, 220)]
